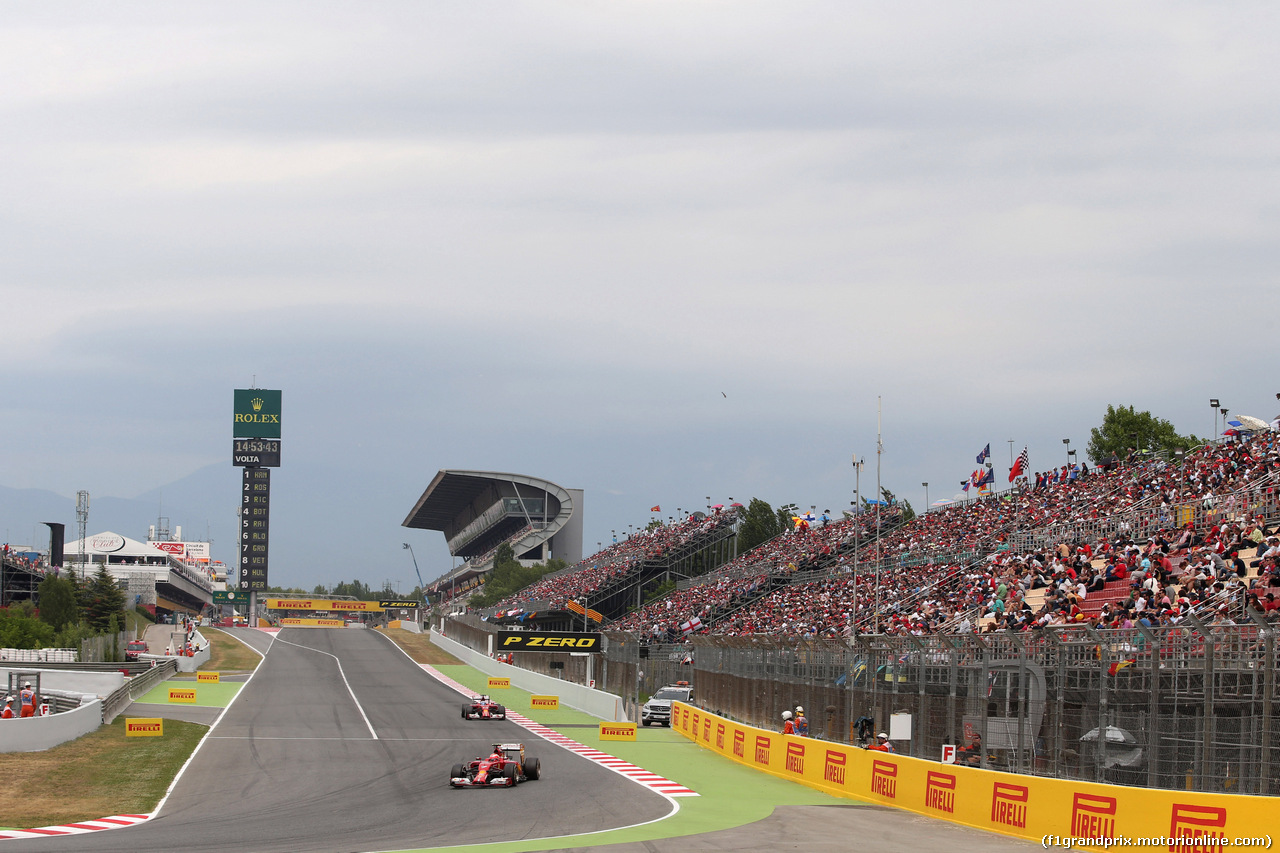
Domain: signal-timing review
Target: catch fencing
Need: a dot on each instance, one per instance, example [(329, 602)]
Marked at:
[(1185, 707), (1188, 707)]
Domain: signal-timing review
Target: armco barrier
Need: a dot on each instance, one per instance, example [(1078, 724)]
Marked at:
[(597, 703), (1024, 806)]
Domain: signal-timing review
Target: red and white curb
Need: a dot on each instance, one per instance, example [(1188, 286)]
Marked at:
[(633, 772), (77, 828)]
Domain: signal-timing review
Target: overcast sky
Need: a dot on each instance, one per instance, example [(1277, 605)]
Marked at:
[(655, 250)]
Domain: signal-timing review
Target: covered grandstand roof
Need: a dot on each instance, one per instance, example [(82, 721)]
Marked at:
[(477, 510)]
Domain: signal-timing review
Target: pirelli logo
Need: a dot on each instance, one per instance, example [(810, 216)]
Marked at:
[(1093, 816), (719, 735), (833, 767), (1197, 829), (1009, 804), (546, 703), (545, 641), (182, 694), (940, 792), (144, 727), (499, 683), (795, 758), (884, 779), (617, 731), (706, 729), (208, 678), (696, 718), (740, 744), (762, 750)]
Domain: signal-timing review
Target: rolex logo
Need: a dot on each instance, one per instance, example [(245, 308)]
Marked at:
[(256, 402)]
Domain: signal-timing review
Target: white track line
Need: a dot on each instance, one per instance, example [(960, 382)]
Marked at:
[(359, 707)]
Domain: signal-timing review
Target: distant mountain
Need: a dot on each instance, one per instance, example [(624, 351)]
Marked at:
[(327, 525), (194, 502)]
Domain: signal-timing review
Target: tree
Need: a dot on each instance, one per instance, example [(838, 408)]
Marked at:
[(1123, 429), (58, 602), (908, 513), (104, 599), (759, 524)]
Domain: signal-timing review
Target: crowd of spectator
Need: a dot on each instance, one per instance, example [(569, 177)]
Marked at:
[(583, 580), (980, 565)]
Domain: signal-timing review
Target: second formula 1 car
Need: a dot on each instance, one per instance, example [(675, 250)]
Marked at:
[(483, 708)]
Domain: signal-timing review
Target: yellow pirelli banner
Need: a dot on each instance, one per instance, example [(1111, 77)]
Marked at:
[(143, 727), (182, 694), (322, 604), (617, 731), (312, 623), (544, 703), (1052, 812), (208, 678), (499, 683)]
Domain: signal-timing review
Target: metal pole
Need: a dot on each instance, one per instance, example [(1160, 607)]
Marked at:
[(879, 501)]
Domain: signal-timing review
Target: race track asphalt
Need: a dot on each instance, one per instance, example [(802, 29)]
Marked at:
[(294, 765)]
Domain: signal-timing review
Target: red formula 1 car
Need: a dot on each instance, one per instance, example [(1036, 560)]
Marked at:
[(483, 708), (505, 767)]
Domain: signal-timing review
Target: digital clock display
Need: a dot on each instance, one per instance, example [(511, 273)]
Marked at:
[(255, 452)]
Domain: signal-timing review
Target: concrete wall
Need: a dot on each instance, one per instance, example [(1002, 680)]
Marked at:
[(597, 703), (96, 683), (39, 733)]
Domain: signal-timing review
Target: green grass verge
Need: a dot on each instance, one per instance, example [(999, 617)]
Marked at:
[(100, 774), (207, 695), (227, 654)]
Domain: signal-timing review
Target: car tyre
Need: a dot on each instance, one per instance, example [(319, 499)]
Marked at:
[(500, 712), (646, 722), (464, 713), (511, 772), (532, 768), (457, 772)]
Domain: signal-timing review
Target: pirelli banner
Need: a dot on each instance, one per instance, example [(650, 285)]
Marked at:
[(322, 604), (546, 641), (1053, 812)]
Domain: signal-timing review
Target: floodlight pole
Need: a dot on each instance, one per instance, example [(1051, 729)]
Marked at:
[(422, 587), (879, 501)]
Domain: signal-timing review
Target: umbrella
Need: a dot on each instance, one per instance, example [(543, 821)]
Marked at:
[(1253, 424), (735, 504), (943, 502), (719, 506)]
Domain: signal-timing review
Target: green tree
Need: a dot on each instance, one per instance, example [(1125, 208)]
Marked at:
[(19, 630), (103, 598), (58, 602), (908, 513), (759, 524), (1123, 429), (507, 577)]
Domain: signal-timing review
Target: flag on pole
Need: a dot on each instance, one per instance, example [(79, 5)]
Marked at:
[(1020, 465), (986, 452), (987, 478), (965, 485), (655, 509)]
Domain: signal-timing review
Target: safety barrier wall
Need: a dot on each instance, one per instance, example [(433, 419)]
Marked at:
[(597, 703), (33, 734), (1011, 804)]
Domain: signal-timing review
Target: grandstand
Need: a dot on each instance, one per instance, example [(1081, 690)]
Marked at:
[(479, 511)]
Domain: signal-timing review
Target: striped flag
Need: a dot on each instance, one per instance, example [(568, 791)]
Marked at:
[(1020, 466)]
